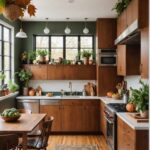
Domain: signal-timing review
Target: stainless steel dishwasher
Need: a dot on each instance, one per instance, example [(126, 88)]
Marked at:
[(32, 104)]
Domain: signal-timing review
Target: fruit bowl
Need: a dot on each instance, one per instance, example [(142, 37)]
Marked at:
[(10, 119)]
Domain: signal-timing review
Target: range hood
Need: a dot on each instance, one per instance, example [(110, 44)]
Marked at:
[(130, 36)]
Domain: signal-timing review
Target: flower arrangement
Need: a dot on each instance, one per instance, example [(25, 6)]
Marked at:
[(13, 9)]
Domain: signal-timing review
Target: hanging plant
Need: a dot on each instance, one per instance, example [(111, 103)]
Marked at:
[(13, 9), (120, 6)]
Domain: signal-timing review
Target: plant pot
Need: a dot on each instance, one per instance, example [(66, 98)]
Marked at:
[(86, 61), (90, 62), (42, 59), (144, 114), (25, 91)]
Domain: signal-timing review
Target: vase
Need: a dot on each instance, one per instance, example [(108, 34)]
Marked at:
[(144, 114), (25, 91), (86, 61)]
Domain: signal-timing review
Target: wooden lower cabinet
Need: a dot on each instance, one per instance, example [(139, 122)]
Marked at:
[(102, 119), (130, 139), (73, 115)]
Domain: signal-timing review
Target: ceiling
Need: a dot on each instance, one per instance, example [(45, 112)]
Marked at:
[(76, 10)]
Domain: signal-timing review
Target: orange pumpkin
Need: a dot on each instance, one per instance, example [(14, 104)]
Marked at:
[(109, 94), (31, 92), (130, 107)]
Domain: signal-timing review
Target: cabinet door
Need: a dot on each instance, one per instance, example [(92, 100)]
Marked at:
[(53, 110), (102, 119), (121, 23), (144, 53), (39, 72), (121, 60), (91, 116), (71, 118), (106, 33)]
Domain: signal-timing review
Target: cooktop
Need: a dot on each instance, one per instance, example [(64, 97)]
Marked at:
[(117, 107)]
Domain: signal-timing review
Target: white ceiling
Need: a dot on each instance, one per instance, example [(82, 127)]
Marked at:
[(59, 10)]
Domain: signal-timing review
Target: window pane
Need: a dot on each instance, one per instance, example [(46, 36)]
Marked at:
[(0, 63), (56, 53), (7, 74), (6, 63), (7, 48), (86, 42), (57, 42), (0, 32), (71, 42), (71, 54), (42, 41), (6, 34)]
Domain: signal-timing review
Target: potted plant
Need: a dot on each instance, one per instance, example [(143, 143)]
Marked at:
[(2, 77), (12, 86), (31, 56), (24, 77), (42, 56), (24, 57), (120, 6), (140, 97), (86, 55)]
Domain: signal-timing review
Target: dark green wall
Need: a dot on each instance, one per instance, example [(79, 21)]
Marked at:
[(56, 28), (17, 42)]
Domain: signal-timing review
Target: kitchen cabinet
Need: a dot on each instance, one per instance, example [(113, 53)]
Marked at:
[(125, 64), (130, 139), (144, 53), (106, 33), (107, 79), (62, 72), (102, 119), (52, 108)]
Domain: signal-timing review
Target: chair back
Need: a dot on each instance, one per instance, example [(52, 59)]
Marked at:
[(46, 129), (26, 111), (8, 141)]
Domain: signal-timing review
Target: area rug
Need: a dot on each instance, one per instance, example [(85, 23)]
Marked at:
[(76, 147)]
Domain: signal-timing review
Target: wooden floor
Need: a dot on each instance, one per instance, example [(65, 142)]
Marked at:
[(76, 139)]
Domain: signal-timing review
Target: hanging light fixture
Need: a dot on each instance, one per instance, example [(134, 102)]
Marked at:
[(67, 29), (21, 33), (85, 30), (46, 29)]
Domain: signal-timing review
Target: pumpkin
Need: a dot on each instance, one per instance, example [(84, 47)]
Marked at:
[(31, 92), (130, 107)]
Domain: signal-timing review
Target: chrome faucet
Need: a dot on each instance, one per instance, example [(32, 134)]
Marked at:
[(70, 86)]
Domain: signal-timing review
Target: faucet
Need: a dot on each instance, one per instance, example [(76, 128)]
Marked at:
[(70, 86)]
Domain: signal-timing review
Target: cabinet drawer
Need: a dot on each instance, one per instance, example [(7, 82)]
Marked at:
[(71, 102)]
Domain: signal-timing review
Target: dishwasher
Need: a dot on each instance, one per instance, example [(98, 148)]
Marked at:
[(31, 104)]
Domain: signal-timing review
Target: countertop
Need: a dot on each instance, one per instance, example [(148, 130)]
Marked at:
[(106, 100), (132, 123)]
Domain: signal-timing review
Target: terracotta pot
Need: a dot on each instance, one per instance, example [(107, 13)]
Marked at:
[(25, 91), (31, 92), (144, 114), (86, 61), (90, 62)]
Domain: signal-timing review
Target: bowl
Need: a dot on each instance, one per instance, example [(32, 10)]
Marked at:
[(10, 119)]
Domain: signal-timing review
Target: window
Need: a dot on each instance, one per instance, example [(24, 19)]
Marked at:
[(6, 57), (64, 46)]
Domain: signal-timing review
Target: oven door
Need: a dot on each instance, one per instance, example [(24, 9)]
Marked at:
[(110, 133)]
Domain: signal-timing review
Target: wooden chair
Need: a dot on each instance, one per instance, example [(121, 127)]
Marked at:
[(41, 142), (8, 141)]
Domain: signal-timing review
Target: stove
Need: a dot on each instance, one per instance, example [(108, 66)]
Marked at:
[(111, 123)]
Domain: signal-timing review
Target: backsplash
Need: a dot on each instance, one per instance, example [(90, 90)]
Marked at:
[(57, 85), (133, 81)]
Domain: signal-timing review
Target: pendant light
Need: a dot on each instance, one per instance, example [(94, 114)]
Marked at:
[(67, 29), (46, 29), (85, 30), (21, 33)]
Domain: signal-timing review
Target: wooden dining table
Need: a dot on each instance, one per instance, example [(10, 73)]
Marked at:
[(25, 124)]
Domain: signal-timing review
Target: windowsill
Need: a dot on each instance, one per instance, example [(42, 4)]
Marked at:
[(9, 95)]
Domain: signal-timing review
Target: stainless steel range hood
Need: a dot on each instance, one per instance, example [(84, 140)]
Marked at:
[(131, 33)]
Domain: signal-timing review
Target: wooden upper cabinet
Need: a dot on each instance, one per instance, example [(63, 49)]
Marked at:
[(106, 32), (39, 72), (121, 23), (144, 53), (128, 60)]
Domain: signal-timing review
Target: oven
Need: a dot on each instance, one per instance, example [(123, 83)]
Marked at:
[(107, 57)]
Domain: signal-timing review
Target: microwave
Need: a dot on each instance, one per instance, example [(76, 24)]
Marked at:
[(107, 57)]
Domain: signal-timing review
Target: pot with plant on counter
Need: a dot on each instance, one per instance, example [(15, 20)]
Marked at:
[(24, 77), (42, 56), (140, 98), (31, 56), (86, 55)]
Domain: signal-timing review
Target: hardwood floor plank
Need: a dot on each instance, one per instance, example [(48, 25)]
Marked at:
[(76, 139)]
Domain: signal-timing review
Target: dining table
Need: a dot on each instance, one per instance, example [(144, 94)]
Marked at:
[(24, 125)]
